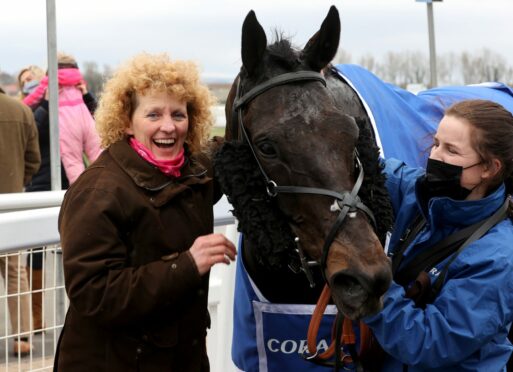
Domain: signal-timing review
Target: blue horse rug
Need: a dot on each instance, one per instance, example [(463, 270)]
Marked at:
[(404, 123)]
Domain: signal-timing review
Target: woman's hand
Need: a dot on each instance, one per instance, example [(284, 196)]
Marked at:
[(209, 250), (82, 86)]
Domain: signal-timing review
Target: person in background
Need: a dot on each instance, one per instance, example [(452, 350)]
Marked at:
[(29, 79), (462, 325), (77, 135), (136, 227), (19, 160)]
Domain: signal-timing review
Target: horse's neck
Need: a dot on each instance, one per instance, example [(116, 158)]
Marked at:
[(282, 286)]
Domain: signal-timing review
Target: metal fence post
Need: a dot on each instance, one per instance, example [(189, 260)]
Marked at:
[(51, 35)]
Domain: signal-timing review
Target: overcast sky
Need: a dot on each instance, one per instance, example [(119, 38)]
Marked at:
[(208, 31)]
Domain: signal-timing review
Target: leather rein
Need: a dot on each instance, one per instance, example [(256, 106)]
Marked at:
[(347, 203)]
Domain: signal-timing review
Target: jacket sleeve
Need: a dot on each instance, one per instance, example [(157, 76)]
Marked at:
[(91, 141), (90, 102), (71, 153), (99, 283), (471, 309), (42, 118), (32, 153)]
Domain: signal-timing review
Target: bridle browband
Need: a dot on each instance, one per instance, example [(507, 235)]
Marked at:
[(347, 202)]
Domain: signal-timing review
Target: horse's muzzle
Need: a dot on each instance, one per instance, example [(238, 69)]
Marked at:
[(358, 293)]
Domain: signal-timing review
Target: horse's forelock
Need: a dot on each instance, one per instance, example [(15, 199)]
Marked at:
[(282, 52)]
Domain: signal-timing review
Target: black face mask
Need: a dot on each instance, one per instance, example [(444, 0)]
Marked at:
[(443, 179)]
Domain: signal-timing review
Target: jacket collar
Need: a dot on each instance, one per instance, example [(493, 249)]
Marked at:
[(446, 211), (149, 177)]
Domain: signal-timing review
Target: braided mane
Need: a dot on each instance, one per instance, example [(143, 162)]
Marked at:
[(373, 191), (260, 220)]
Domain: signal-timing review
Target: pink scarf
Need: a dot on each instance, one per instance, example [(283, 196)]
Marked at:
[(66, 77), (168, 167)]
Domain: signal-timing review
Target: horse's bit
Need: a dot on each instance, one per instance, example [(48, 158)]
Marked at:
[(345, 202)]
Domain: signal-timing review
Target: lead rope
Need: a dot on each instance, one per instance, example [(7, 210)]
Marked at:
[(313, 328), (342, 335)]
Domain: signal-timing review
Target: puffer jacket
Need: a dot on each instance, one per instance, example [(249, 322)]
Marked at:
[(137, 301), (77, 132), (42, 181), (466, 327)]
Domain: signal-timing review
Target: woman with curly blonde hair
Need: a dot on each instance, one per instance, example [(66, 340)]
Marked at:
[(136, 227), (143, 75)]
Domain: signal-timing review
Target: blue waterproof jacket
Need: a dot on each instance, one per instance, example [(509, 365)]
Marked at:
[(466, 327)]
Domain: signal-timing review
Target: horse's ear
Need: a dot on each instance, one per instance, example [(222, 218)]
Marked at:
[(322, 47), (254, 43)]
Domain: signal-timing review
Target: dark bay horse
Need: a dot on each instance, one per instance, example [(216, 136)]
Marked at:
[(300, 167)]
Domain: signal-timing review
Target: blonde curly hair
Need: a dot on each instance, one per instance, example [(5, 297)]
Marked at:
[(146, 73)]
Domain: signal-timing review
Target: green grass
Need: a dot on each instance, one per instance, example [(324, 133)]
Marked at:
[(217, 131)]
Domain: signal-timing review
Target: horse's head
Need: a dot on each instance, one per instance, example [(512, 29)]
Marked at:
[(293, 133)]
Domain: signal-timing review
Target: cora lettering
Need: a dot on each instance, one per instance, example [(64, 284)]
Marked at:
[(292, 346)]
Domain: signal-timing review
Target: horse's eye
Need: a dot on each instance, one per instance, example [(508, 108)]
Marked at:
[(267, 149)]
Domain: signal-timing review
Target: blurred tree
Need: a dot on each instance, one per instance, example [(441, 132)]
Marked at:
[(94, 77), (5, 78), (448, 69), (417, 65), (482, 66), (390, 69), (404, 68), (509, 77), (107, 72), (369, 62)]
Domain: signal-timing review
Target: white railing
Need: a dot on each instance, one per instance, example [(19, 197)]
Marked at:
[(30, 200), (28, 221)]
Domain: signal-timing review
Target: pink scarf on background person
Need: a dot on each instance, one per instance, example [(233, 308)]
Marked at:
[(168, 167), (66, 77)]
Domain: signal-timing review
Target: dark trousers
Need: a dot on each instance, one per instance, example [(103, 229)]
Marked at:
[(35, 259)]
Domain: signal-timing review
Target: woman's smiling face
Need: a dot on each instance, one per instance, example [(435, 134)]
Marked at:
[(160, 122)]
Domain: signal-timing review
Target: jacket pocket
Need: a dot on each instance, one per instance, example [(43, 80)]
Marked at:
[(161, 335)]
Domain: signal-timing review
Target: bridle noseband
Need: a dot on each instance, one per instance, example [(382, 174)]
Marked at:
[(347, 202)]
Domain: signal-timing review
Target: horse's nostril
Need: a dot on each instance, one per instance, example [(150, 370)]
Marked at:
[(348, 284), (354, 285)]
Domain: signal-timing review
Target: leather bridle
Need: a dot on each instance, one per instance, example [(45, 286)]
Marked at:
[(346, 202)]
